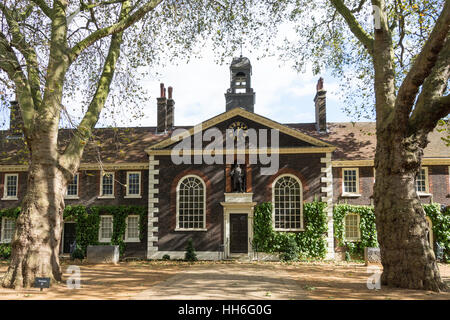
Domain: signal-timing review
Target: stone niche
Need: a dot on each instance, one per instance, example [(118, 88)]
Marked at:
[(103, 254)]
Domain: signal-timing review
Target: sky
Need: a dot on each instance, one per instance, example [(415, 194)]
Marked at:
[(199, 86), (281, 93)]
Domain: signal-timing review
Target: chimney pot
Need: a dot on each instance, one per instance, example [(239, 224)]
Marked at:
[(320, 102), (170, 110), (162, 91)]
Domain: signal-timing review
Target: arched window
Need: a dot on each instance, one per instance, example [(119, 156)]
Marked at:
[(191, 203), (287, 203)]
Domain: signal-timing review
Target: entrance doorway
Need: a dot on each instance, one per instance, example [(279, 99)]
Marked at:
[(69, 236), (238, 233)]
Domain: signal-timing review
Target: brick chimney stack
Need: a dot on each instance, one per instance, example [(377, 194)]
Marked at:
[(170, 110), (162, 110), (321, 107), (15, 119)]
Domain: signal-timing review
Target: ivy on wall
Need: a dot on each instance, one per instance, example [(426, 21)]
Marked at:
[(311, 242), (367, 228), (13, 213), (88, 224), (440, 221)]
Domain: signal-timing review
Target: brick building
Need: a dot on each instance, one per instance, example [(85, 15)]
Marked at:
[(188, 195)]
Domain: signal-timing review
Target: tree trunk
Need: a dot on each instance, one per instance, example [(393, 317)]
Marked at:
[(36, 242), (407, 258)]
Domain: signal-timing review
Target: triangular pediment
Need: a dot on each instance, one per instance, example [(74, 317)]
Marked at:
[(289, 137)]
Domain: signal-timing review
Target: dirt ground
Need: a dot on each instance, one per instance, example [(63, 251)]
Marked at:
[(223, 280)]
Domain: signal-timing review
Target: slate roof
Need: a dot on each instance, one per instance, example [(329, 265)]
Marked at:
[(354, 141), (357, 140)]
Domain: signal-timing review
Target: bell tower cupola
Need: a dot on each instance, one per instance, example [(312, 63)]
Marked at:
[(240, 94)]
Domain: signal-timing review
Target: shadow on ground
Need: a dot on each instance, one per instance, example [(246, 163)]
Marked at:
[(222, 280)]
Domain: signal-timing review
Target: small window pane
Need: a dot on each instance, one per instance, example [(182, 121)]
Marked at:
[(72, 188), (8, 229), (107, 184), (133, 227), (350, 183), (11, 185), (351, 227), (421, 181), (106, 227), (134, 183)]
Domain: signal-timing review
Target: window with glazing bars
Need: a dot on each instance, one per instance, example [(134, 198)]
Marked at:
[(287, 203), (191, 204)]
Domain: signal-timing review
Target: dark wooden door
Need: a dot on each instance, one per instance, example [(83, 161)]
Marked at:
[(238, 233), (69, 236)]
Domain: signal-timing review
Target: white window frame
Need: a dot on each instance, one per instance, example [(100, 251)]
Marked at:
[(351, 194), (100, 239), (358, 222), (177, 228), (3, 240), (5, 187), (128, 195), (427, 184), (108, 196), (128, 239), (76, 196), (301, 203)]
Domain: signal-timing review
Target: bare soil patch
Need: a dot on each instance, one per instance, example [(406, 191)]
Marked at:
[(222, 280)]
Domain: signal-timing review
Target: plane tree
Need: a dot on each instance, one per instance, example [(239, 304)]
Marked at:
[(394, 61), (72, 61)]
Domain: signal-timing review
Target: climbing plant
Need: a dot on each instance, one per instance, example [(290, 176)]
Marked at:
[(311, 242), (13, 213), (440, 220), (88, 224), (367, 226)]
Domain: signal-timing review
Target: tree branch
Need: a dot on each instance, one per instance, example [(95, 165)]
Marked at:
[(44, 7), (423, 64), (431, 105), (28, 52), (121, 25), (354, 25), (74, 150), (10, 64)]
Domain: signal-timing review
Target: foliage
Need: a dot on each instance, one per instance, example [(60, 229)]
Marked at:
[(190, 254), (355, 249), (440, 219), (13, 213), (166, 257), (5, 250), (367, 228), (88, 223), (290, 250), (311, 242), (10, 212), (78, 253)]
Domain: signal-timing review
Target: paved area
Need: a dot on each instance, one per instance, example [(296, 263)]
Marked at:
[(279, 281), (230, 281), (221, 280)]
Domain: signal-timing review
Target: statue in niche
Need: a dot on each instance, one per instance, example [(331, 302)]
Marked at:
[(238, 176)]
